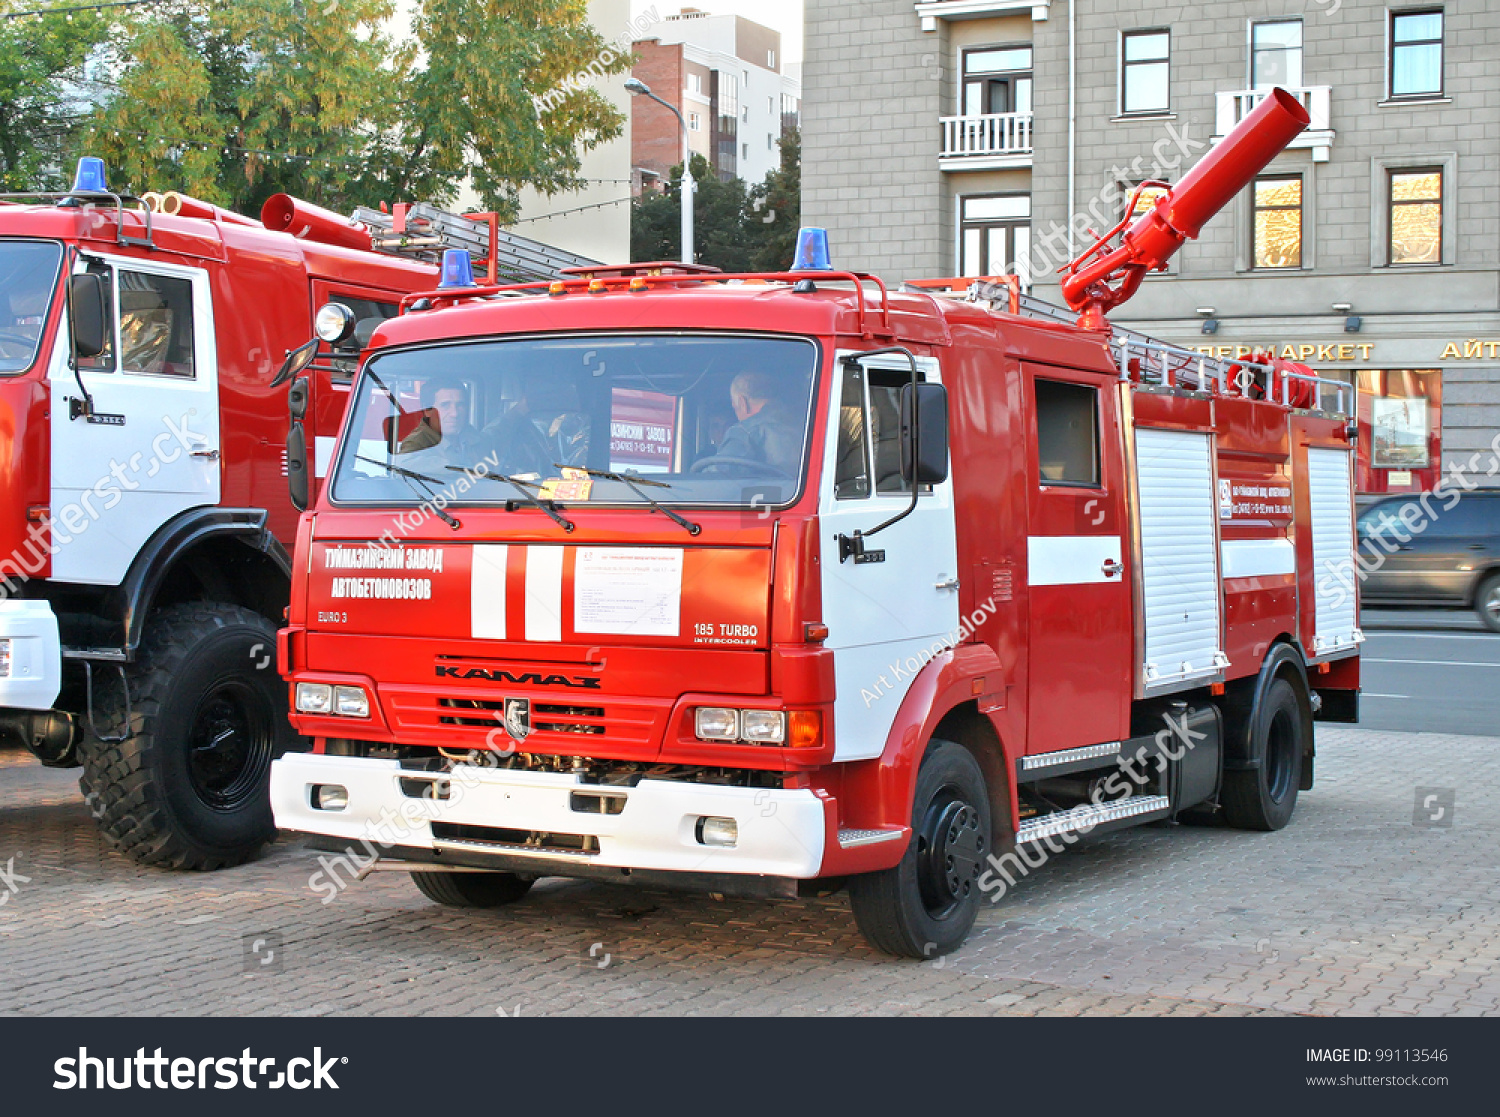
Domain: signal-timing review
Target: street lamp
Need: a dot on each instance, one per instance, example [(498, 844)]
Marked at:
[(689, 187)]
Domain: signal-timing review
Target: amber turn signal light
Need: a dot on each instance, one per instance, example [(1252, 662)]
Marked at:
[(804, 729)]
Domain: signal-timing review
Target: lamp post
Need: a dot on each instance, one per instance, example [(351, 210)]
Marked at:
[(689, 187)]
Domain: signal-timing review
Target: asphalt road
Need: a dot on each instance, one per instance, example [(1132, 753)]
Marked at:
[(1429, 672)]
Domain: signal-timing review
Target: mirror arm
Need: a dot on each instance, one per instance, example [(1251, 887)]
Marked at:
[(85, 407), (853, 546)]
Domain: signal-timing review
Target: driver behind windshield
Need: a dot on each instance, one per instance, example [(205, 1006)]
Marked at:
[(768, 430)]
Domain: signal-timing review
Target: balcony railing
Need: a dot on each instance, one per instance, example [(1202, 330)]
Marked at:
[(1232, 107), (994, 135)]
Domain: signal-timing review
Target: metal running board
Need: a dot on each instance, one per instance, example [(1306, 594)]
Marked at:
[(430, 230), (1041, 761), (1089, 816), (849, 839)]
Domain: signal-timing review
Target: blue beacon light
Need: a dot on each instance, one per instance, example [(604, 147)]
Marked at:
[(458, 269), (812, 250), (89, 178)]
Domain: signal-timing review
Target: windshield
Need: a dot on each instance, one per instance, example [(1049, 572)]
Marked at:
[(28, 278), (623, 419)]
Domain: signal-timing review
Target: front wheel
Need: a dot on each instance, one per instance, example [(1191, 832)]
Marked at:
[(190, 787), (925, 906), (1264, 797), (1487, 602)]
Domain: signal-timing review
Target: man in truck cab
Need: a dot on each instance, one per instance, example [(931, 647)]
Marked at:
[(767, 431)]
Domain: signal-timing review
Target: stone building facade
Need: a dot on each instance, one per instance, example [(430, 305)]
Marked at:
[(967, 137)]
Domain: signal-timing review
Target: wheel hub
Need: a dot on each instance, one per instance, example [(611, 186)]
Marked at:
[(229, 745), (951, 847)]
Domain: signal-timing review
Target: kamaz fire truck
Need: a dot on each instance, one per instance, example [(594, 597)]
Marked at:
[(760, 583), (145, 537)]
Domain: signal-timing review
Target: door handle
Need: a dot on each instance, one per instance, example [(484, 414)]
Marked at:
[(211, 455), (1477, 547), (1111, 568), (945, 583)]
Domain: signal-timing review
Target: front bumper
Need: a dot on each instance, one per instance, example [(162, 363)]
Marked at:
[(35, 655), (780, 832)]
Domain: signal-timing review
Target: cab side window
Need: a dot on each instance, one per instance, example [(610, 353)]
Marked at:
[(852, 471), (870, 432), (156, 324), (1067, 433)]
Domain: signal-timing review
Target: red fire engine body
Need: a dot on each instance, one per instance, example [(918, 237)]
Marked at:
[(146, 532), (677, 645)]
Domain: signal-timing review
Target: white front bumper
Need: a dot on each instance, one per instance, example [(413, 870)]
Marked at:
[(35, 655), (780, 831)]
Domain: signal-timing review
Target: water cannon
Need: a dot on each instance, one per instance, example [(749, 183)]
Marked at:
[(1103, 277)]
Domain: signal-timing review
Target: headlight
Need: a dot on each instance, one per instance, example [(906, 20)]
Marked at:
[(714, 724), (351, 702), (314, 698), (763, 727), (4, 659), (334, 323)]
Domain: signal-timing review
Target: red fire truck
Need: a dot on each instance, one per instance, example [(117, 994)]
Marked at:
[(761, 583), (145, 539)]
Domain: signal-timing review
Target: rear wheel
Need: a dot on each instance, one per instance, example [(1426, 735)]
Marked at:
[(472, 890), (1487, 602), (190, 787), (925, 906), (1264, 797)]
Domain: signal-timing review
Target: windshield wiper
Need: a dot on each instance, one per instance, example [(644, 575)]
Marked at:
[(409, 476), (634, 480), (520, 486)]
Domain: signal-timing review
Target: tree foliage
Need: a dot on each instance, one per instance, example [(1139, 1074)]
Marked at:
[(41, 92), (234, 100), (734, 228)]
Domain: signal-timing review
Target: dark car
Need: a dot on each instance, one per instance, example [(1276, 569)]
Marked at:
[(1418, 551)]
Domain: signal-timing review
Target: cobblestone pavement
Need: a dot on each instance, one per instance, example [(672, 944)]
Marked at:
[(1354, 909)]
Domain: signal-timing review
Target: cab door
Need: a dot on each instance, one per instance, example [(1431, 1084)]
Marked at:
[(150, 448), (882, 616), (1079, 604)]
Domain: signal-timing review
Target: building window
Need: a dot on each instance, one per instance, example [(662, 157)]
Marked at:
[(770, 60), (1417, 53), (997, 80), (695, 84), (1143, 71), (995, 235), (695, 122), (1143, 201), (770, 142), (744, 151), (1416, 201), (745, 114), (1278, 222), (1276, 54)]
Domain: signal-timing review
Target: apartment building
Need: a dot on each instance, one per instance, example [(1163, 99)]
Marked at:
[(727, 77), (973, 137)]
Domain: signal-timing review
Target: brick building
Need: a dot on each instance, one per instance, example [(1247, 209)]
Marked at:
[(947, 137), (726, 75)]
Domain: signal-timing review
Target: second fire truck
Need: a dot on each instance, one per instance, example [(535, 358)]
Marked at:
[(756, 584)]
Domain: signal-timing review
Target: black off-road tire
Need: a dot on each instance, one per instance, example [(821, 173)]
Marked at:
[(472, 890), (1265, 797), (190, 788), (925, 906), (1487, 602)]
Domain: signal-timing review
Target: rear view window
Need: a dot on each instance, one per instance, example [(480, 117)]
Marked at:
[(1067, 433)]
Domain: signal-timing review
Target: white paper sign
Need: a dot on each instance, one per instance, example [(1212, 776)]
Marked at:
[(628, 591)]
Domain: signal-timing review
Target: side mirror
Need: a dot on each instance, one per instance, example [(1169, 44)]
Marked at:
[(296, 361), (298, 476), (924, 434), (90, 314)]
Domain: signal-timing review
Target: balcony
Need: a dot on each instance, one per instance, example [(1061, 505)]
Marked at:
[(992, 142), (1316, 99), (930, 11)]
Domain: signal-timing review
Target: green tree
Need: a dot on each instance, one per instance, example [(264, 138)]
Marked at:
[(776, 209), (43, 94), (235, 100)]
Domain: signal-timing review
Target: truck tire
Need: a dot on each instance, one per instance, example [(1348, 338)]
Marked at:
[(190, 788), (925, 906), (1264, 797), (1487, 602), (472, 890)]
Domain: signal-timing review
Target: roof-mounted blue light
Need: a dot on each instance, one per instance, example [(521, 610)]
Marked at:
[(458, 269), (90, 176), (812, 250)]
